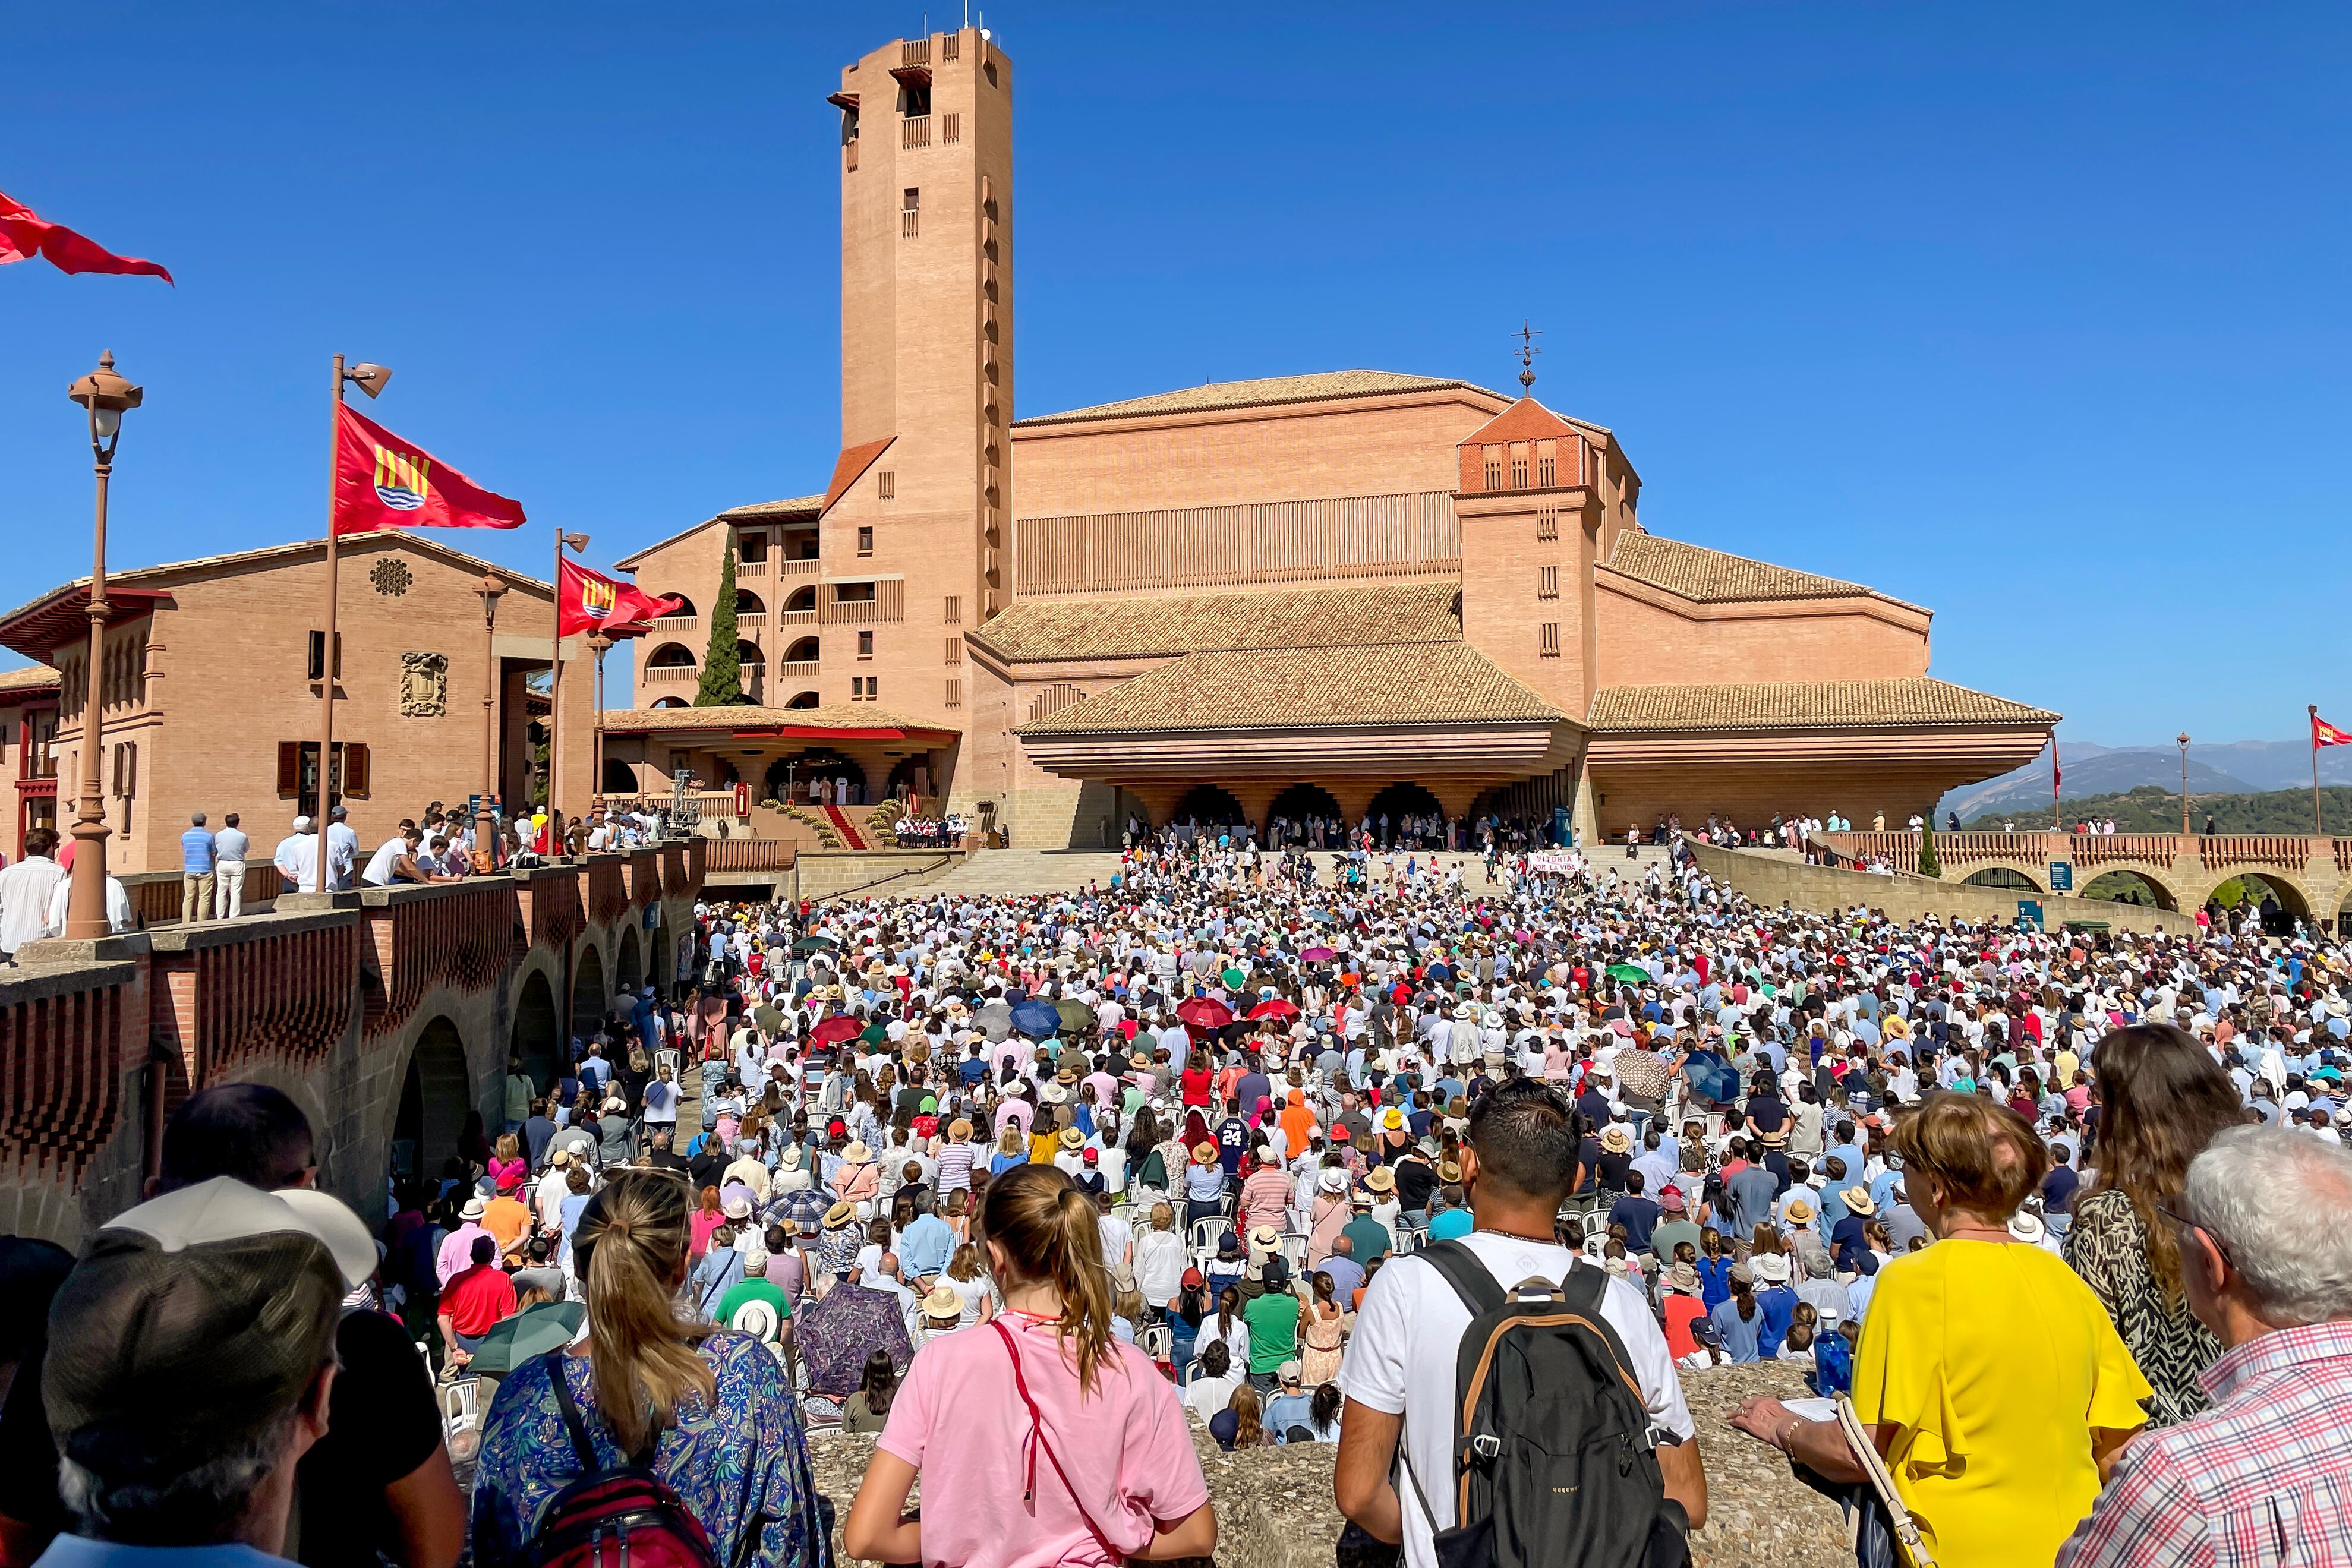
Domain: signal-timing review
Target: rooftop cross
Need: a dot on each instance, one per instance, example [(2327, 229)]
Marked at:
[(1527, 335)]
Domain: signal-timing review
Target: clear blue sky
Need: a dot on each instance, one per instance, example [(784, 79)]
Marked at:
[(2032, 314)]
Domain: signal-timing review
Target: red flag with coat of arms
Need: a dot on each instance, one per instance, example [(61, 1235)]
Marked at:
[(2326, 734), (591, 602), (385, 482)]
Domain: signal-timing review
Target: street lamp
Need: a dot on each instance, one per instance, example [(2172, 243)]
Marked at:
[(104, 396), (598, 645), (2183, 739), (371, 379), (486, 827)]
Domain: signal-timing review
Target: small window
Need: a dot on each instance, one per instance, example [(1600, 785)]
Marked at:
[(989, 70), (1546, 464), (853, 594), (955, 694), (317, 653), (910, 213), (1548, 524), (865, 540), (1519, 465), (751, 548), (886, 484), (1547, 640), (955, 649), (951, 132), (866, 645), (1548, 582), (954, 616), (1493, 467)]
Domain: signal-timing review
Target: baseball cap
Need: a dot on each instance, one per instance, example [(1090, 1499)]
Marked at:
[(223, 1295)]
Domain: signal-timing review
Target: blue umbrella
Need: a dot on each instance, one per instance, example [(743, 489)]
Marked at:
[(1037, 1019)]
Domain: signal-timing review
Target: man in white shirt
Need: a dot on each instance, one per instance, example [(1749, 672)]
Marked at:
[(24, 890), (120, 916), (342, 850), (297, 857), (1399, 1378), (230, 846)]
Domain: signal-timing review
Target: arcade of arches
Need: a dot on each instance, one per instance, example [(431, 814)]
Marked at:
[(1258, 801), (436, 1098)]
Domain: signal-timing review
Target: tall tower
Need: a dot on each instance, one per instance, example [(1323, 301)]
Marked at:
[(916, 527)]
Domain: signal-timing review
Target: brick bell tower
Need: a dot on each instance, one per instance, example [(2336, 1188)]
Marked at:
[(916, 529)]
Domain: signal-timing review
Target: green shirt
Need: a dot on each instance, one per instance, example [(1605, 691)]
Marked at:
[(1368, 1237), (1663, 1238), (758, 1290), (1273, 1320)]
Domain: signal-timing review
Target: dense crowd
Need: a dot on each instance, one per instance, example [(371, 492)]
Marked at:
[(1248, 1140)]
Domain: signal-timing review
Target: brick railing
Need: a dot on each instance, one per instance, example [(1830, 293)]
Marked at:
[(461, 934), (643, 869), (552, 912), (61, 1059), (747, 854), (2216, 852), (608, 889), (155, 894), (279, 987)]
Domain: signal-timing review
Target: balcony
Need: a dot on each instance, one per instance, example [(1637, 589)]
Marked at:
[(849, 158), (796, 618), (914, 52), (751, 620), (661, 673), (797, 669), (914, 131), (809, 566), (752, 568), (678, 623)]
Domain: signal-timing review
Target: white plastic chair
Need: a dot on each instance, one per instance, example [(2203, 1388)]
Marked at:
[(1156, 1341), (1294, 1252), (1204, 1233)]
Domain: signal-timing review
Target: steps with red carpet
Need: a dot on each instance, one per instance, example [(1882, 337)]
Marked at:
[(850, 836)]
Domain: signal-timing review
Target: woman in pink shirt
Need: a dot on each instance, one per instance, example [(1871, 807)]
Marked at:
[(1040, 1438)]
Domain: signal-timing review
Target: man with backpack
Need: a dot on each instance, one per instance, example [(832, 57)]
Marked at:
[(1540, 1355)]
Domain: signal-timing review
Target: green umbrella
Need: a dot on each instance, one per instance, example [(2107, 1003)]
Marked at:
[(1628, 972), (816, 945), (1077, 1017), (534, 1330)]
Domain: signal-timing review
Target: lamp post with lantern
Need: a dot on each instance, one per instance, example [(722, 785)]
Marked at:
[(2183, 739), (105, 397), (486, 827)]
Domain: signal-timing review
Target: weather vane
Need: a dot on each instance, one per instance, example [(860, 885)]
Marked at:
[(1527, 335)]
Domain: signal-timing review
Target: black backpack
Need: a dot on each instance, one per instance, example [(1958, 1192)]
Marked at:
[(1554, 1466)]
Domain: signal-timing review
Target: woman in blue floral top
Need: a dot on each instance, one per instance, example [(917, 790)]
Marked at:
[(727, 1431)]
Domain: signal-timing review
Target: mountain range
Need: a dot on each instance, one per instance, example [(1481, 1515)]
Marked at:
[(2235, 767)]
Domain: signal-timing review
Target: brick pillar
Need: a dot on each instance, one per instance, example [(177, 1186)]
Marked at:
[(1158, 798), (1354, 795), (1256, 798)]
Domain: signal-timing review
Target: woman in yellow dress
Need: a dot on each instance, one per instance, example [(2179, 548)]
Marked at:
[(1989, 1377)]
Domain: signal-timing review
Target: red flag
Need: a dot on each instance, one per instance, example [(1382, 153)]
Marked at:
[(383, 482), (25, 234), (2326, 734), (591, 602)]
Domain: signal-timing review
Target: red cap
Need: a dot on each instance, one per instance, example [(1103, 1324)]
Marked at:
[(1191, 1279), (1093, 1157)]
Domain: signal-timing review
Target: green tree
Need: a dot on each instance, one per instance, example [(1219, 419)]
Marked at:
[(1927, 866), (723, 663)]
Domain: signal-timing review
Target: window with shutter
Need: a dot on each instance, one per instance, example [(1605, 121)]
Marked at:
[(290, 769), (318, 648), (354, 759)]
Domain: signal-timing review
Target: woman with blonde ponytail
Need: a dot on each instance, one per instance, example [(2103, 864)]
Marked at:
[(1040, 1438), (706, 1410)]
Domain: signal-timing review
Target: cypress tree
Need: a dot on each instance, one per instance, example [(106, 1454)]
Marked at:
[(1927, 863), (722, 664)]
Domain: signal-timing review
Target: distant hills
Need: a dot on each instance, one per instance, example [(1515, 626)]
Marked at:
[(2237, 768), (2152, 809)]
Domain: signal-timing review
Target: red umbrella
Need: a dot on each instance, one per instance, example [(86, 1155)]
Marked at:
[(1204, 1012), (834, 1029), (1316, 956), (1275, 1007)]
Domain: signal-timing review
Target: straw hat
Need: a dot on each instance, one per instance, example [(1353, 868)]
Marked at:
[(1072, 1138), (856, 1153), (1800, 1211), (1770, 1268), (959, 1130), (1859, 1201), (1448, 1172), (1204, 1153), (1684, 1278), (1618, 1138), (1053, 1094), (943, 1303), (839, 1214), (1380, 1179)]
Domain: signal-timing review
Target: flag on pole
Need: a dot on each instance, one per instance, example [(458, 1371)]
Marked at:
[(23, 234), (591, 602), (2326, 734), (383, 482)]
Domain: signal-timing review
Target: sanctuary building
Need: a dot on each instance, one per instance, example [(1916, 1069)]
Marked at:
[(1318, 594)]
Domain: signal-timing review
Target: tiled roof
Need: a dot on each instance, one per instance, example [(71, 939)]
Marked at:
[(1264, 391), (837, 716), (1711, 576), (1306, 688), (32, 677), (761, 511), (1804, 704), (1143, 626)]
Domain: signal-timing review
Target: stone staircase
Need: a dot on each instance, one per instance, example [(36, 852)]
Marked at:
[(997, 871)]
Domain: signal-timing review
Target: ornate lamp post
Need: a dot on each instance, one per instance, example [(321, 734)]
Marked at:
[(486, 827), (371, 380), (2183, 739), (105, 397), (600, 646)]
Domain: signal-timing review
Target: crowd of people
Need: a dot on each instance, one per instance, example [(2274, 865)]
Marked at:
[(1032, 1187)]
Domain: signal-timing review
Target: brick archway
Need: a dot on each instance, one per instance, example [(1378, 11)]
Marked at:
[(435, 1097)]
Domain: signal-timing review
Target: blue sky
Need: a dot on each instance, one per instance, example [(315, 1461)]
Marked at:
[(2034, 314)]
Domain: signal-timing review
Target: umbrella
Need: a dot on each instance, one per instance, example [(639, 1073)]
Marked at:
[(836, 1028), (1036, 1019), (1077, 1017), (995, 1021), (1275, 1007), (1630, 974), (534, 1330), (1316, 956), (1711, 1077), (1321, 916), (1204, 1012), (816, 945)]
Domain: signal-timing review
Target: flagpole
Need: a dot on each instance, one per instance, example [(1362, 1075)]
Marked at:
[(2315, 828), (327, 649)]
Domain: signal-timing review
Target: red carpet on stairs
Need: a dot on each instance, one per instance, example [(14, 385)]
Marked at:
[(850, 836)]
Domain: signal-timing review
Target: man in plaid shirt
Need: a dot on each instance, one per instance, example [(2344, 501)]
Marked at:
[(2265, 1476)]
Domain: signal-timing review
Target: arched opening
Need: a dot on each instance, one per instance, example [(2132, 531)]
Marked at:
[(748, 603), (801, 600), (671, 702), (628, 970), (1209, 807), (803, 700), (538, 1032), (754, 673), (1291, 810), (589, 997), (909, 776), (807, 767), (684, 605), (670, 656), (2130, 887), (2275, 900), (620, 777), (2003, 878), (436, 1094), (1409, 809), (802, 651)]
